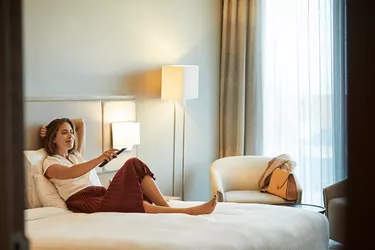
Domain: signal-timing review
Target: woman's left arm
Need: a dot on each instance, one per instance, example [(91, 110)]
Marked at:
[(80, 134)]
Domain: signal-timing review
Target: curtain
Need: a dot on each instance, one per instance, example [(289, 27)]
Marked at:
[(240, 124), (282, 86), (303, 90)]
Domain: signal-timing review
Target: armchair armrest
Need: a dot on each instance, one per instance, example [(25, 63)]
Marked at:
[(217, 187), (299, 197), (336, 190)]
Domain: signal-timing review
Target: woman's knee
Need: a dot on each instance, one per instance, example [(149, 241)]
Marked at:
[(140, 168), (129, 162), (134, 163)]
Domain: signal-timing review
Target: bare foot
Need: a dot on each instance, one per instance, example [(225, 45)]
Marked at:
[(205, 208)]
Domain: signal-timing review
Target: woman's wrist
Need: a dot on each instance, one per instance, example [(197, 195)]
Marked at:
[(98, 160)]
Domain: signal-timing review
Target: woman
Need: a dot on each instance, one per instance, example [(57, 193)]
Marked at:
[(132, 189)]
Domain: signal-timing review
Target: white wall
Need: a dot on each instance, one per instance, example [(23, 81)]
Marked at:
[(117, 47)]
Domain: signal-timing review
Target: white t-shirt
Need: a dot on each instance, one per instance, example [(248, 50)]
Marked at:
[(68, 187)]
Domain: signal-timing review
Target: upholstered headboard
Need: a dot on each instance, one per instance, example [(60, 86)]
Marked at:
[(97, 112)]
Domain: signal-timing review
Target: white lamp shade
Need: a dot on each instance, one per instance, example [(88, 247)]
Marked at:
[(125, 134), (179, 82)]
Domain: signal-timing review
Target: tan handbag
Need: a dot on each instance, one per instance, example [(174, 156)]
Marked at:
[(283, 184)]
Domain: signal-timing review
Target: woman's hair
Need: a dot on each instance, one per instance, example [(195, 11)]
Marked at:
[(52, 129)]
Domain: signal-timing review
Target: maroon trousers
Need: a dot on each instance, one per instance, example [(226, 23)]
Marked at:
[(124, 193)]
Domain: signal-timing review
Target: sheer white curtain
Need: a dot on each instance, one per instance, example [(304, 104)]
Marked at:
[(299, 91)]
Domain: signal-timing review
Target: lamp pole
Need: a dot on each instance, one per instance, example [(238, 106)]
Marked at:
[(183, 150), (174, 147)]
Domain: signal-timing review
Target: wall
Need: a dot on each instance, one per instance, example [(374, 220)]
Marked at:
[(117, 47)]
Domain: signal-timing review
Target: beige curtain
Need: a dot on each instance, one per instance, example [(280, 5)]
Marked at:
[(240, 79)]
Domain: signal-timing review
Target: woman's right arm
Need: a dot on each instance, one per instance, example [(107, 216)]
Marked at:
[(61, 172), (80, 134)]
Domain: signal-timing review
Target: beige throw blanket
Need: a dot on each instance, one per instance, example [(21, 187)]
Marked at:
[(283, 161)]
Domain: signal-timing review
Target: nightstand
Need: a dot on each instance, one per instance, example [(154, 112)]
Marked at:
[(169, 198)]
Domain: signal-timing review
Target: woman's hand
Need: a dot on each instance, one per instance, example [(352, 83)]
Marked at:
[(108, 155), (43, 131)]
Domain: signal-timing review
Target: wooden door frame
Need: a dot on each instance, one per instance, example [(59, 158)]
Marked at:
[(11, 127), (360, 130)]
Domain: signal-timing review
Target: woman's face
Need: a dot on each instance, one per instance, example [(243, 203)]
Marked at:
[(64, 137)]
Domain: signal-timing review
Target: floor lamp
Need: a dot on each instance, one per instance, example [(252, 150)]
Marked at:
[(179, 83)]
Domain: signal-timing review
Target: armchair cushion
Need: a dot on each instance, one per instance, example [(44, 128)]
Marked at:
[(253, 196)]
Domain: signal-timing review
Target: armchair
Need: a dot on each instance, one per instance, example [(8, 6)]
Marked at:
[(236, 179), (336, 202)]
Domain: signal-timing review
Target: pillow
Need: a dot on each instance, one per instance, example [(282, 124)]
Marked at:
[(36, 158), (47, 192), (33, 161)]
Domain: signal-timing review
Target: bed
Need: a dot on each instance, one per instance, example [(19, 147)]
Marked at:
[(50, 226), (231, 226)]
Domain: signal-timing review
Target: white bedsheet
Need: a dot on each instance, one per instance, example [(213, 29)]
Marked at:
[(231, 226)]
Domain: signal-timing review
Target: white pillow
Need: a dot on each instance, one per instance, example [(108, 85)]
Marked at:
[(36, 158), (33, 161), (47, 192)]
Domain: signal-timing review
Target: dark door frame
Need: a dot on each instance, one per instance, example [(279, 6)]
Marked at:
[(360, 129), (11, 127)]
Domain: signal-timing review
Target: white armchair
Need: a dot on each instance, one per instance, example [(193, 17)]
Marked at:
[(236, 179)]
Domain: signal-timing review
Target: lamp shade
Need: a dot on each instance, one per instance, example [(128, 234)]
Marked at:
[(179, 82), (125, 134)]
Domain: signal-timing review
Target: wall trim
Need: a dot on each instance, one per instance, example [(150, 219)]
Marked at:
[(77, 98)]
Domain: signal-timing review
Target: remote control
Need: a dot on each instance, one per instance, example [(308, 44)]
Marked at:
[(105, 162)]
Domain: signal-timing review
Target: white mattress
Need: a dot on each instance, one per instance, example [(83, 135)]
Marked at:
[(231, 226)]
